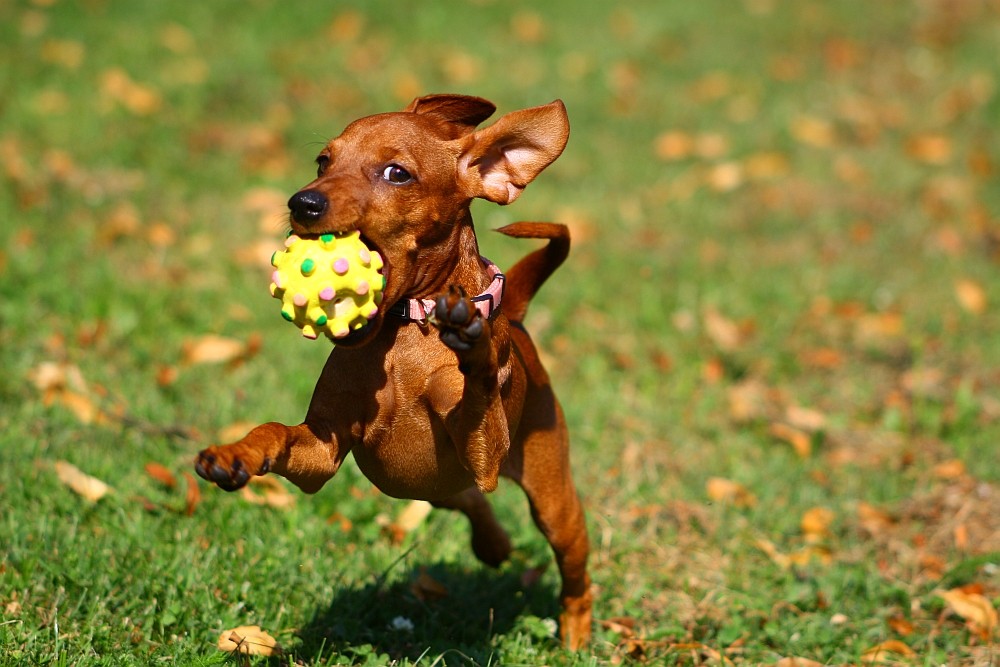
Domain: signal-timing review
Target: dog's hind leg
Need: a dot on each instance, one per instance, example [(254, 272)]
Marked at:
[(543, 471), (490, 541)]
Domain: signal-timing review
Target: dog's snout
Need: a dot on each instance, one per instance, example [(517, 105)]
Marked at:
[(307, 206)]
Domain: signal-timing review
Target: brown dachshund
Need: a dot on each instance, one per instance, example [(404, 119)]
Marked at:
[(437, 412)]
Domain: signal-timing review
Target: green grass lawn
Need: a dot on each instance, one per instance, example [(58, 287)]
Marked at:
[(776, 338)]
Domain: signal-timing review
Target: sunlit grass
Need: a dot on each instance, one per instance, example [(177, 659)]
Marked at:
[(776, 207)]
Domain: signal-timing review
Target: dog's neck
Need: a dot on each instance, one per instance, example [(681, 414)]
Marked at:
[(487, 302), (455, 262)]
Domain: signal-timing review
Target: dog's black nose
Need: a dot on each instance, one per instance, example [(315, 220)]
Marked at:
[(307, 206)]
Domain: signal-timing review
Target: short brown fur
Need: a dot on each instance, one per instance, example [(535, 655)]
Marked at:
[(437, 413)]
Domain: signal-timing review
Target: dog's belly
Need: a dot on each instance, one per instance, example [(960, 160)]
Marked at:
[(414, 465)]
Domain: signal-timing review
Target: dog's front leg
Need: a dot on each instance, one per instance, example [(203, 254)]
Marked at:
[(294, 452), (477, 425)]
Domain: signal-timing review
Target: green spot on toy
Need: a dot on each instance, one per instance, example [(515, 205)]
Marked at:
[(316, 297)]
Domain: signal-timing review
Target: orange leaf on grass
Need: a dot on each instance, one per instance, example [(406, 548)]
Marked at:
[(797, 662), (813, 131), (622, 625), (950, 469), (273, 493), (729, 492), (807, 419), (213, 349), (727, 334), (248, 639), (89, 488), (235, 431), (901, 626), (971, 296), (408, 520), (974, 608), (427, 589), (873, 520), (816, 523), (193, 495), (929, 148), (673, 145), (800, 441), (887, 652), (161, 474)]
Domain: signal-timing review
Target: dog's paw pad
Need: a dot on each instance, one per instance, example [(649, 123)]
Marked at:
[(458, 320), (227, 476)]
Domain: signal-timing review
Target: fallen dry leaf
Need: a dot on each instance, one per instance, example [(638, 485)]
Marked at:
[(901, 626), (816, 523), (797, 662), (727, 491), (751, 400), (950, 469), (82, 484), (426, 588), (161, 474), (971, 296), (140, 99), (409, 519), (767, 165), (724, 332), (813, 131), (887, 651), (273, 493), (248, 639), (235, 431), (873, 520), (63, 384), (801, 558), (974, 608), (725, 176), (623, 626), (81, 405), (929, 148), (674, 145), (806, 419), (800, 440), (212, 349), (344, 523), (193, 495)]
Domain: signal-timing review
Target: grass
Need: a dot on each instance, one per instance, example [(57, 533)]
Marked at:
[(775, 205)]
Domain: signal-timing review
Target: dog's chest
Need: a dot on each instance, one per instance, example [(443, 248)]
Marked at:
[(406, 449)]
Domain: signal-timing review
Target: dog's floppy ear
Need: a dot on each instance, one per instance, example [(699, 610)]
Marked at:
[(499, 161), (462, 110)]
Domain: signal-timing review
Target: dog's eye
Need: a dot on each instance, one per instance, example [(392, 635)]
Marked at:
[(396, 174), (321, 163)]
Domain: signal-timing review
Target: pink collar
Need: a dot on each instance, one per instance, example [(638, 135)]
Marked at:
[(487, 303)]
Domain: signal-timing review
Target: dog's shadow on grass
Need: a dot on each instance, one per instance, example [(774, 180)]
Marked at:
[(435, 609)]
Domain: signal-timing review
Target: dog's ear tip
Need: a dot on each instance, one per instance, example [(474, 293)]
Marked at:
[(466, 111)]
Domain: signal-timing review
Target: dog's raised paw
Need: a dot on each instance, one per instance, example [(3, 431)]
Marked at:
[(458, 320), (229, 473)]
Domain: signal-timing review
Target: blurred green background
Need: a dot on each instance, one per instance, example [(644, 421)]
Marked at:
[(775, 337)]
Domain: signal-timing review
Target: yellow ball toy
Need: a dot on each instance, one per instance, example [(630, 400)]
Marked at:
[(330, 284)]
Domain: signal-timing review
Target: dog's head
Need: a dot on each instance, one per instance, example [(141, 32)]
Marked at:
[(405, 181)]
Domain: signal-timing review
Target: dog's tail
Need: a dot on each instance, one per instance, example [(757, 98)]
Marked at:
[(525, 277)]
